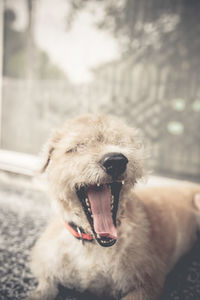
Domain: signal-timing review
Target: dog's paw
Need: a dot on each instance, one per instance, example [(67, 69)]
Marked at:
[(37, 295), (196, 201)]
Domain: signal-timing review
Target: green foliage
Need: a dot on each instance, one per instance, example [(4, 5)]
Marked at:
[(150, 28), (48, 70), (17, 58)]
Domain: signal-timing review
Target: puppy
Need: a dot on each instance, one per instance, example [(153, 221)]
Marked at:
[(106, 236)]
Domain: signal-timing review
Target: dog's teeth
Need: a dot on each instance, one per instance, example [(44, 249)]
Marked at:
[(112, 199), (89, 209), (98, 184), (122, 182), (87, 202), (98, 236)]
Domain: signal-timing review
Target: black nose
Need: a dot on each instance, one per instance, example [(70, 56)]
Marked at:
[(114, 164)]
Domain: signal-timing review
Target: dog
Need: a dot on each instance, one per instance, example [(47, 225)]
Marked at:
[(106, 236)]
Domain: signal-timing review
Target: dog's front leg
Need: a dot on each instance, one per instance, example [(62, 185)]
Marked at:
[(141, 294), (45, 291), (136, 295)]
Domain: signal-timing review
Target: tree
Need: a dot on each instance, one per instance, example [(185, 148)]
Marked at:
[(150, 27), (17, 49), (160, 44)]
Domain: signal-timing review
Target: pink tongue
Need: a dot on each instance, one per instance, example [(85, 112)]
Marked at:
[(100, 201)]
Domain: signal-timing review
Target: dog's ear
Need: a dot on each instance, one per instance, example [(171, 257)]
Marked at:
[(196, 201), (46, 160), (48, 150)]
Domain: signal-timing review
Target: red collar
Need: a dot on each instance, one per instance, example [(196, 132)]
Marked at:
[(78, 232)]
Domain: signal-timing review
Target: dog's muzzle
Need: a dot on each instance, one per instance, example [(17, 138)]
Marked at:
[(100, 200), (114, 164), (100, 204)]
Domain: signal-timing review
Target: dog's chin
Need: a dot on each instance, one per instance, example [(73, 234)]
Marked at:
[(100, 204)]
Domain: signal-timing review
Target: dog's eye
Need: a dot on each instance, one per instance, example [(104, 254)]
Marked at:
[(75, 148), (71, 150)]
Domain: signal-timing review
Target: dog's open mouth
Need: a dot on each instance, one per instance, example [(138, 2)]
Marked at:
[(100, 204)]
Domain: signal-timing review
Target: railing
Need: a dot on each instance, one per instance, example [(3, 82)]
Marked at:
[(170, 124)]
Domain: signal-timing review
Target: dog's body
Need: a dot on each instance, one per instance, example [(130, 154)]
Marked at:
[(136, 243)]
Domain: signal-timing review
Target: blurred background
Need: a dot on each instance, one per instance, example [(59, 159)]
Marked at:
[(136, 59), (139, 60)]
